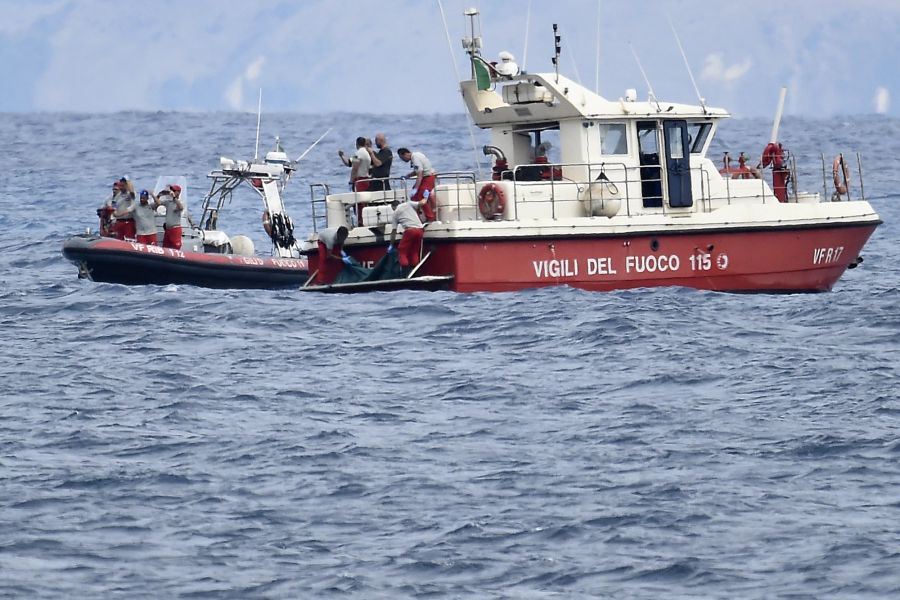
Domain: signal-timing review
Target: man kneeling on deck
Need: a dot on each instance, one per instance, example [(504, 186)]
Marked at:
[(406, 214)]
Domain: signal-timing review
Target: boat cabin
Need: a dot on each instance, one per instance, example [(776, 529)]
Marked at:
[(561, 151), (650, 151)]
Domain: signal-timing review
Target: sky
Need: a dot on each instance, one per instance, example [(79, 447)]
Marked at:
[(395, 57)]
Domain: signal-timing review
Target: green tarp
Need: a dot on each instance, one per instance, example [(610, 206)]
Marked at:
[(386, 268)]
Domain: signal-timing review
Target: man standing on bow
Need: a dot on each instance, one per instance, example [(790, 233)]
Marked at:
[(124, 203), (144, 217), (424, 174), (359, 166), (170, 197), (105, 212), (381, 164)]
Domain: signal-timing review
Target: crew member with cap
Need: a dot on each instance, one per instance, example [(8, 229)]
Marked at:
[(424, 174), (106, 211), (112, 201), (124, 226), (170, 197), (145, 219), (332, 257), (407, 215)]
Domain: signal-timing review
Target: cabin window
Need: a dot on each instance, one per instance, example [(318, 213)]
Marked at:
[(676, 148), (698, 132), (613, 139), (541, 140), (647, 141)]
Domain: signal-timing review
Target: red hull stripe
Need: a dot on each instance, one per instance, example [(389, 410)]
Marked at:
[(772, 259), (107, 246)]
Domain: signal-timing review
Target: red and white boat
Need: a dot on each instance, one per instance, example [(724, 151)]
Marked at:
[(208, 256), (623, 196), (110, 260)]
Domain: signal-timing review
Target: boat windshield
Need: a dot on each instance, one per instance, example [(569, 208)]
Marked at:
[(164, 180), (698, 132)]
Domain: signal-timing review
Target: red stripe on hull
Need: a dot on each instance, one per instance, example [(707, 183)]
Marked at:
[(200, 258), (131, 263), (765, 260)]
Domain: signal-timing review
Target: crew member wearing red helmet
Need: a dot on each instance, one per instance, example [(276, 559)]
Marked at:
[(170, 197)]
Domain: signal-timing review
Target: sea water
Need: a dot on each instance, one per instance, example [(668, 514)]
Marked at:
[(554, 443)]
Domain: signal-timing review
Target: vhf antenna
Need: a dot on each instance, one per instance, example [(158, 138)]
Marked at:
[(597, 63), (556, 48), (472, 44), (258, 119), (688, 67), (527, 29), (644, 75)]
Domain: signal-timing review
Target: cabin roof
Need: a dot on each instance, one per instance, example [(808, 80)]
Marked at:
[(550, 97)]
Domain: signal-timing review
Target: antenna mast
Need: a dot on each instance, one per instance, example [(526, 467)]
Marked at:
[(258, 119), (556, 50), (449, 44), (527, 29), (688, 66), (644, 75), (471, 45), (597, 74)]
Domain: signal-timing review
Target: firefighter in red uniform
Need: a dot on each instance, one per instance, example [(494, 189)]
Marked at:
[(332, 257)]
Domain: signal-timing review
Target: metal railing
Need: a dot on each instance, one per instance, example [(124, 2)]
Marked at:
[(458, 177), (319, 193), (635, 190), (314, 201), (846, 181), (553, 174), (616, 174), (635, 187), (631, 186), (388, 195)]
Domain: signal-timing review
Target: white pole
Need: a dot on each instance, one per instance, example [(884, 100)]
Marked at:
[(449, 43), (774, 137), (258, 119), (313, 145), (687, 66), (456, 71), (644, 75), (597, 75), (527, 26)]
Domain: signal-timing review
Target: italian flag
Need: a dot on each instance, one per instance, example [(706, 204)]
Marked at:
[(482, 73)]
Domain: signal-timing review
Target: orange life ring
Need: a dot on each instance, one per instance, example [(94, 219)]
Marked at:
[(491, 201), (267, 223), (839, 167)]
